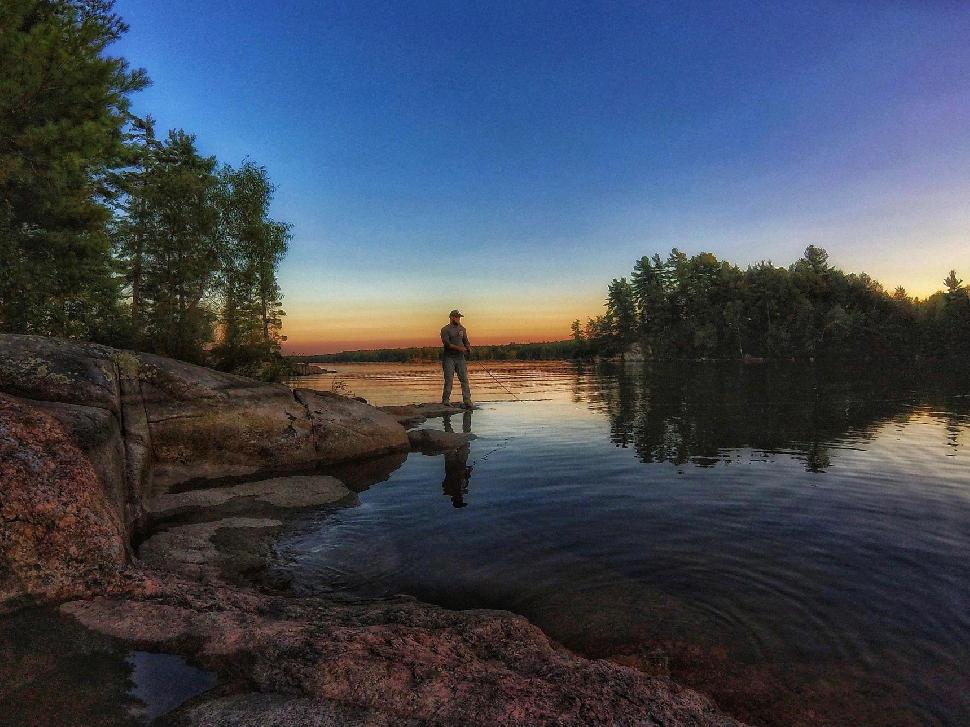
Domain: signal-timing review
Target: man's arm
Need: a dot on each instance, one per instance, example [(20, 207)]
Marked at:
[(448, 344), (464, 338)]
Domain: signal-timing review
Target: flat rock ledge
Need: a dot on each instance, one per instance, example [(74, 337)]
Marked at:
[(225, 533), (190, 551), (409, 415), (298, 491)]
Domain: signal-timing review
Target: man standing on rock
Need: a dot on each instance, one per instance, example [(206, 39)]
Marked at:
[(454, 338)]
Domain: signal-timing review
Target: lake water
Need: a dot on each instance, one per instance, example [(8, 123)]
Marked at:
[(794, 541)]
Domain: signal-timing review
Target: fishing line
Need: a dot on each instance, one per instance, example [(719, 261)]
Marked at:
[(499, 383), (505, 443)]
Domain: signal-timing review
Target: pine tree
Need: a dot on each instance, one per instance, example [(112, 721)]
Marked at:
[(955, 320), (953, 284), (648, 291), (252, 246), (621, 310), (275, 241), (135, 220), (181, 254), (63, 102)]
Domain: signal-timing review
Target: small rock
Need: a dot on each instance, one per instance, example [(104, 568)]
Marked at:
[(434, 440), (409, 415)]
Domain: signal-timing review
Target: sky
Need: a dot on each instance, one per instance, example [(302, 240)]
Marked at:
[(510, 158)]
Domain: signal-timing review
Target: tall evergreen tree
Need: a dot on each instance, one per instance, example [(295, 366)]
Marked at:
[(576, 331), (648, 290), (135, 222), (252, 246), (63, 102), (181, 255), (621, 310), (274, 242), (955, 317), (954, 285)]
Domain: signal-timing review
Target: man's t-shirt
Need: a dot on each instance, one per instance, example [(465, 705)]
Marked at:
[(455, 334)]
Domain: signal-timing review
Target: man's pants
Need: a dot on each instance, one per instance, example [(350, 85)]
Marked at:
[(451, 364)]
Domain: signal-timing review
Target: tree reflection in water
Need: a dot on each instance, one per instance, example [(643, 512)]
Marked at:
[(706, 414)]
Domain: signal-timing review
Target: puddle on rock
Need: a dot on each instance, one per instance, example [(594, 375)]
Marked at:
[(55, 672), (161, 682)]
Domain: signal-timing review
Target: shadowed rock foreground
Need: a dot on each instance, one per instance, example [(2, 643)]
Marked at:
[(98, 444)]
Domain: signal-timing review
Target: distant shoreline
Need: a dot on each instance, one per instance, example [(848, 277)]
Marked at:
[(547, 350)]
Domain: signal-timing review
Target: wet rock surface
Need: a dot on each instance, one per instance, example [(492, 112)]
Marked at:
[(281, 492), (55, 672), (191, 550), (226, 533), (431, 441)]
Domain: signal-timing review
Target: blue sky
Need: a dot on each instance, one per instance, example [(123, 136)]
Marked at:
[(511, 158)]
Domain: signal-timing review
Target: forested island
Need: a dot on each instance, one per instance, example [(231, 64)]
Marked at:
[(111, 232), (702, 307)]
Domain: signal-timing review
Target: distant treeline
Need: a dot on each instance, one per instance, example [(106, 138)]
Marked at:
[(110, 233), (702, 307), (505, 352)]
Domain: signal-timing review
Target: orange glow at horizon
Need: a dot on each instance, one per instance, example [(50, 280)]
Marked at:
[(306, 343), (384, 326)]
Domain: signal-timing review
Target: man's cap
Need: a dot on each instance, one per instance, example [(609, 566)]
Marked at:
[(455, 312)]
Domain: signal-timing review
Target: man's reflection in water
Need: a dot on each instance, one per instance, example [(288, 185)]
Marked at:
[(457, 469), (466, 422), (457, 474)]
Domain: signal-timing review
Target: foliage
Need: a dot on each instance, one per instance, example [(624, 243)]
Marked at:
[(196, 248), (701, 307), (181, 260), (63, 103), (251, 246), (109, 233)]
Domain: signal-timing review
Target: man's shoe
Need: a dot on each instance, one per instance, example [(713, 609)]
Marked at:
[(468, 405)]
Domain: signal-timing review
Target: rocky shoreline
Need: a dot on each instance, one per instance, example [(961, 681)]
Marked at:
[(141, 496)]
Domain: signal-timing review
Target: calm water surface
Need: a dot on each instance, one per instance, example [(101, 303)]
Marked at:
[(792, 540)]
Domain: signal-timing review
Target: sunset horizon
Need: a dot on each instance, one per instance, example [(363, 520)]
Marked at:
[(380, 327), (513, 159)]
